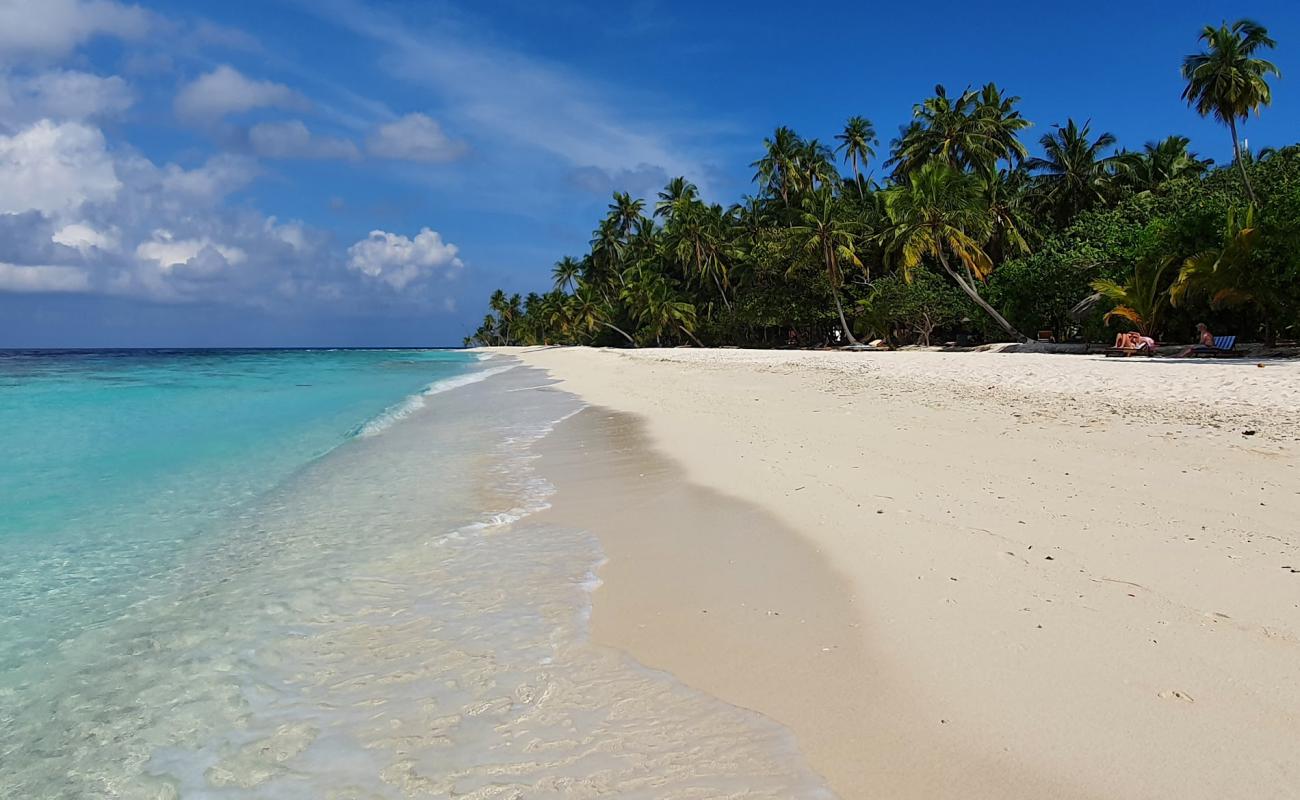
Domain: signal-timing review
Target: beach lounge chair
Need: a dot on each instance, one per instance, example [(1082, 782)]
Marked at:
[(1120, 352), (1224, 347)]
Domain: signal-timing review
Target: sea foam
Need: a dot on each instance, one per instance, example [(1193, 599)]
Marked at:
[(415, 402)]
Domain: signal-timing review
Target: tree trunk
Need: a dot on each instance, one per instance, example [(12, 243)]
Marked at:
[(718, 282), (1241, 164), (620, 330), (844, 323), (693, 337), (979, 301)]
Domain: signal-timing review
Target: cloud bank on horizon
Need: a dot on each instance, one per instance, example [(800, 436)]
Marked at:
[(152, 156)]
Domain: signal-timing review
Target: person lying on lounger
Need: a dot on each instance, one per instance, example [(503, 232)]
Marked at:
[(1204, 341), (1132, 340)]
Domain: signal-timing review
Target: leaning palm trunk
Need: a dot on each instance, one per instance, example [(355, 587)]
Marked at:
[(832, 271), (969, 289), (620, 330), (844, 323)]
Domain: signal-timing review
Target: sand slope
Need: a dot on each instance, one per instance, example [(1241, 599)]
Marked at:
[(1068, 572)]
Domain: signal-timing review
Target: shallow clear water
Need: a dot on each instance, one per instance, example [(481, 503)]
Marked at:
[(310, 575)]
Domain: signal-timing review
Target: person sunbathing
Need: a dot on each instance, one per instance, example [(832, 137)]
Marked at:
[(1204, 341), (1132, 340)]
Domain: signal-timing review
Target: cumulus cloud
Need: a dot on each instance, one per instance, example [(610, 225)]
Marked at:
[(399, 261), (414, 137), (77, 216), (53, 28), (226, 90), (293, 139), (55, 168), (64, 95), (165, 250), (82, 237)]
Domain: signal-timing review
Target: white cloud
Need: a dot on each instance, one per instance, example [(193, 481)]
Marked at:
[(167, 251), (83, 237), (55, 169), (64, 95), (292, 139), (53, 28), (399, 261), (225, 90), (16, 278), (76, 216), (414, 137)]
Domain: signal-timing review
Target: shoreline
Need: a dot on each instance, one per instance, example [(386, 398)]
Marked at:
[(1137, 656)]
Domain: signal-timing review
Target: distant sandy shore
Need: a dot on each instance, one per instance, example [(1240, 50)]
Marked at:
[(965, 575)]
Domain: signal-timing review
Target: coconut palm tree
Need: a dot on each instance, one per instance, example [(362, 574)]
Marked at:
[(1227, 82), (1142, 298), (974, 130), (657, 308), (824, 233), (565, 273), (857, 143), (815, 166), (678, 189), (1224, 274), (625, 211), (777, 166), (1159, 163), (589, 312), (1074, 175), (940, 211), (696, 239), (1001, 123)]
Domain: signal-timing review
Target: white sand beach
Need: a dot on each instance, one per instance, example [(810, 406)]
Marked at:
[(958, 575)]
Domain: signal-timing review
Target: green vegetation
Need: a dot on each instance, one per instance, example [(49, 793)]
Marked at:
[(966, 234)]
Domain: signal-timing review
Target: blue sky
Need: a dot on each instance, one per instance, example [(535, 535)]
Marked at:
[(334, 172)]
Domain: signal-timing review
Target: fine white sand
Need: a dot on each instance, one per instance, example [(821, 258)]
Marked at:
[(1066, 576)]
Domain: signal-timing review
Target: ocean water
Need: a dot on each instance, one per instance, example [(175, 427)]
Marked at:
[(314, 574)]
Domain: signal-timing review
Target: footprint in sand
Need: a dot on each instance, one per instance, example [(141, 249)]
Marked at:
[(1174, 694)]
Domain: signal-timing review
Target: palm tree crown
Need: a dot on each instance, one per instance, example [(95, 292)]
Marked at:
[(1227, 82)]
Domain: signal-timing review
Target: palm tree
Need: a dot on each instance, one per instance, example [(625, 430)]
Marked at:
[(1228, 82), (1160, 163), (1073, 174), (565, 273), (776, 167), (678, 189), (824, 234), (937, 212), (814, 166), (657, 308), (975, 130), (625, 211), (589, 312), (1005, 195), (696, 238), (857, 142), (1142, 298), (1224, 273), (1001, 123)]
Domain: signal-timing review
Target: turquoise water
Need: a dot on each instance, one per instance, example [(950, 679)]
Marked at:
[(114, 460), (320, 574)]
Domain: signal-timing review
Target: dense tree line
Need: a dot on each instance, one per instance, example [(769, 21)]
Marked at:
[(966, 233)]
